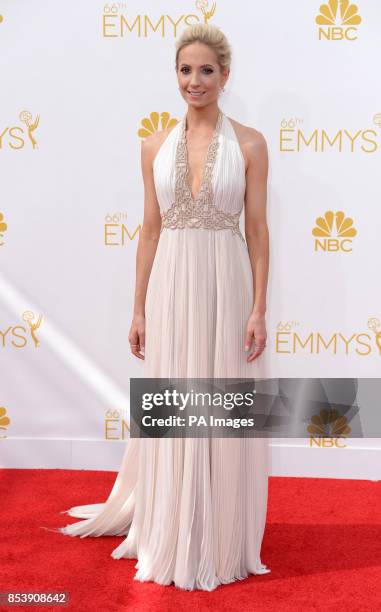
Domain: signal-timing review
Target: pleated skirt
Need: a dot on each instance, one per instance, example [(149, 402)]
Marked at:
[(192, 510)]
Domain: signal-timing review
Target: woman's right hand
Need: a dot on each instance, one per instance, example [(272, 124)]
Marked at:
[(136, 336)]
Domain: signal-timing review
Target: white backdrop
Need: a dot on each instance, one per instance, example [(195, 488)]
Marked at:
[(79, 81)]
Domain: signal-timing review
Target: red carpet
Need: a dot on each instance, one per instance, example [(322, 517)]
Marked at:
[(322, 543)]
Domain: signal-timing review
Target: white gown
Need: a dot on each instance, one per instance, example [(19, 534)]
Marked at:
[(192, 510)]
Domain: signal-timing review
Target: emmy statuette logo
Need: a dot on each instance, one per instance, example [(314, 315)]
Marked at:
[(374, 324), (16, 137), (207, 13), (17, 335)]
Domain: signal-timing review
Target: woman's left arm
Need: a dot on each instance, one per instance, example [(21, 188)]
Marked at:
[(257, 238)]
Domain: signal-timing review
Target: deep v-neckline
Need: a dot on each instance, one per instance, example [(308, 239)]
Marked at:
[(215, 135)]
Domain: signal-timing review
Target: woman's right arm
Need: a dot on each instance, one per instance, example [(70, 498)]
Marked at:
[(148, 239)]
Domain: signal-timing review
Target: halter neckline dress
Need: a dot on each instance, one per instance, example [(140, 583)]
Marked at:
[(192, 510)]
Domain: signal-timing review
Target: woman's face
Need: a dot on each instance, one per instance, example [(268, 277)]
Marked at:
[(199, 72)]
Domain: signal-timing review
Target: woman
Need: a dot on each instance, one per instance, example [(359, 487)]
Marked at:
[(193, 510)]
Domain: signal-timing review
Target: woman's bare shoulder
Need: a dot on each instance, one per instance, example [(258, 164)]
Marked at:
[(251, 141), (153, 142)]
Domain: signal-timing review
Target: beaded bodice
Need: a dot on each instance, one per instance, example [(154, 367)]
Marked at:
[(203, 211)]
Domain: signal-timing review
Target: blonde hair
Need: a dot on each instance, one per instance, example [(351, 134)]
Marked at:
[(208, 35)]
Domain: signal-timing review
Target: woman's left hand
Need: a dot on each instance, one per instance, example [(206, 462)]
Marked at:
[(256, 332)]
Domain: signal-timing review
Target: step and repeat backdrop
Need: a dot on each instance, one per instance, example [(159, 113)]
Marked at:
[(82, 85)]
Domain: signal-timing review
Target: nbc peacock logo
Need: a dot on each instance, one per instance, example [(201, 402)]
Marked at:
[(118, 21), (328, 429), (156, 122), (4, 422), (334, 232), (3, 228), (338, 20)]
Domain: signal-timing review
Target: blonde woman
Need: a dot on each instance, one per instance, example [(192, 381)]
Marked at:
[(193, 510)]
